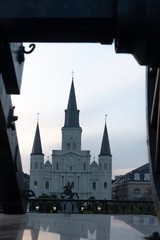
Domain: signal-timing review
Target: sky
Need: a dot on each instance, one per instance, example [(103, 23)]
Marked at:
[(105, 83)]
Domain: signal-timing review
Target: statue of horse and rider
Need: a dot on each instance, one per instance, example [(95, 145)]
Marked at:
[(68, 192)]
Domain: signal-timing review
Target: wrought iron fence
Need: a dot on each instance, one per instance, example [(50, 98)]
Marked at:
[(44, 205)]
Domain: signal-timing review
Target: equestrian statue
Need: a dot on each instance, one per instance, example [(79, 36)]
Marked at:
[(68, 192)]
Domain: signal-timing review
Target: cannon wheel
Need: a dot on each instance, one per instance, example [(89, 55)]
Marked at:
[(153, 131)]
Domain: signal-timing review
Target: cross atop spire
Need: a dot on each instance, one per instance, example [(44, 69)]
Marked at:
[(72, 75), (106, 118), (37, 117)]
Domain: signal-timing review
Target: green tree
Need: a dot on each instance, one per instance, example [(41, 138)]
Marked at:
[(45, 203)]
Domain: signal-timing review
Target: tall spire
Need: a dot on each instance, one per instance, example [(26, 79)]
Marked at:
[(105, 147), (37, 147), (72, 114)]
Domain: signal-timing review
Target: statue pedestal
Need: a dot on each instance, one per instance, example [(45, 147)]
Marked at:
[(70, 207)]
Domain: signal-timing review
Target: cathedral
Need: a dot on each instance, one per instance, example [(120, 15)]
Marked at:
[(72, 166)]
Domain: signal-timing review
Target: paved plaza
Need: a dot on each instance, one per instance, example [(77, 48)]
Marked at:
[(36, 226)]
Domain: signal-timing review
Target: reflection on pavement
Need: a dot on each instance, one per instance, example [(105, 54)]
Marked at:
[(76, 227)]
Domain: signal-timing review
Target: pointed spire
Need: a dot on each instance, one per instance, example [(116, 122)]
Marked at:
[(72, 114), (72, 104), (37, 147), (105, 147)]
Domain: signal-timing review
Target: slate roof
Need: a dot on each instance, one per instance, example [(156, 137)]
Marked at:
[(105, 147), (37, 147), (130, 175), (94, 164), (72, 114), (143, 169), (48, 163)]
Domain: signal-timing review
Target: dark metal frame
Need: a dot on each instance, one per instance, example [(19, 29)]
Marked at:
[(134, 25), (153, 127)]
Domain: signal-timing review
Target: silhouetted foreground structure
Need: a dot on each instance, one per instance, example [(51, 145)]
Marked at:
[(134, 27)]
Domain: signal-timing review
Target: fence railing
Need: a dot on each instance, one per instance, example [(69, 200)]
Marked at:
[(49, 205)]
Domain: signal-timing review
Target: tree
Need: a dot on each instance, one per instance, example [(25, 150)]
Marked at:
[(45, 203)]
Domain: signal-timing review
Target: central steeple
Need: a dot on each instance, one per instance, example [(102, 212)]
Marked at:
[(71, 132), (72, 114)]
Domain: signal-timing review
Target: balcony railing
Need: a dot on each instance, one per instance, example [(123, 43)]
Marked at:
[(45, 205)]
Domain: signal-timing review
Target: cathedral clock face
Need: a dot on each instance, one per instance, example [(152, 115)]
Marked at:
[(71, 159)]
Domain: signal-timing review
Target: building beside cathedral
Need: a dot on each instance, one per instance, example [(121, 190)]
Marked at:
[(71, 166)]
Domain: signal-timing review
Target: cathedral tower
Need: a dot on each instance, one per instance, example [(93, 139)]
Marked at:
[(36, 163), (71, 132), (71, 165), (105, 167)]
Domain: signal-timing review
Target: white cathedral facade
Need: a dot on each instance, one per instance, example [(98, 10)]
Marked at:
[(71, 166)]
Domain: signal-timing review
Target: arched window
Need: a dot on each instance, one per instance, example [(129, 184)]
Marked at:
[(105, 185), (93, 185), (62, 181), (35, 184), (70, 181), (146, 177), (78, 183), (68, 146), (41, 165), (136, 177), (105, 166), (137, 192), (74, 146), (57, 166), (36, 165), (47, 185), (100, 166)]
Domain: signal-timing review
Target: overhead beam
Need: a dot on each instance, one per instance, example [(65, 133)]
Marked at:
[(57, 21)]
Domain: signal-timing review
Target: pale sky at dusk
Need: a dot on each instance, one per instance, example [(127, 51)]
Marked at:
[(105, 83)]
